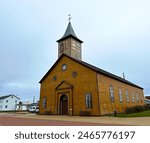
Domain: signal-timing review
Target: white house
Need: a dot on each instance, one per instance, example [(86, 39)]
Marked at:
[(8, 102), (147, 101)]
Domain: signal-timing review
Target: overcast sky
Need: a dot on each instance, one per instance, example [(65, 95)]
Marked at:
[(116, 35)]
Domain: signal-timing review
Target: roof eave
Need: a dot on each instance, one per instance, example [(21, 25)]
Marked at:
[(97, 70), (51, 68), (63, 38)]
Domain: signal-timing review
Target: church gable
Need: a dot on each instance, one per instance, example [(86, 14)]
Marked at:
[(64, 85), (50, 70), (58, 66)]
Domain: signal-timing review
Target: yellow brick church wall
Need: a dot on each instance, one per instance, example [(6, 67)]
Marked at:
[(85, 81), (106, 106)]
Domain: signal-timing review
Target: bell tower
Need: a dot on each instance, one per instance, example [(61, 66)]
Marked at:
[(70, 44)]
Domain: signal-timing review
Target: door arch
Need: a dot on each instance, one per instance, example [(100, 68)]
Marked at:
[(64, 105)]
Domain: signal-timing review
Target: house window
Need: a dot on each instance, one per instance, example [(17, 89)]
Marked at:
[(6, 101), (137, 98), (132, 97), (16, 101), (44, 103), (127, 96), (88, 100), (120, 94), (111, 90), (6, 106)]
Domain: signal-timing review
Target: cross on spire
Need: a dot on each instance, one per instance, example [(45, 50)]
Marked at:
[(69, 17)]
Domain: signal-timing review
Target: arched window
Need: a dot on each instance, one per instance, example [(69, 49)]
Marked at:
[(111, 90), (61, 47), (120, 94), (132, 97), (137, 97), (127, 96), (88, 97), (44, 102)]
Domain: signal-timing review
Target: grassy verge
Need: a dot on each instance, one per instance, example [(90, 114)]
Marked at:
[(140, 114)]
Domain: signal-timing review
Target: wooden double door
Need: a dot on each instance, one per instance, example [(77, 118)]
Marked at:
[(64, 105)]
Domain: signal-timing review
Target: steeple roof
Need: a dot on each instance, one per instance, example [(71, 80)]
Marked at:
[(69, 33)]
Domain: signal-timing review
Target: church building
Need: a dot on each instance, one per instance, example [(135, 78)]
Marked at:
[(74, 87)]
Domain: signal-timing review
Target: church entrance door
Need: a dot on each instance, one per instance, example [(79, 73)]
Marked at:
[(64, 105)]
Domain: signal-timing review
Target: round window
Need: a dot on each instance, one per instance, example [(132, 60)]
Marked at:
[(74, 74), (64, 67), (54, 78)]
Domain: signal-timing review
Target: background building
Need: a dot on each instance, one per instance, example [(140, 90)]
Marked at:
[(147, 100), (8, 102)]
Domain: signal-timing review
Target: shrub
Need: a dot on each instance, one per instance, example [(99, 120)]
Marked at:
[(129, 110), (147, 107), (136, 109)]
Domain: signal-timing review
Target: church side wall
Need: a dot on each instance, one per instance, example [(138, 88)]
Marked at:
[(106, 105)]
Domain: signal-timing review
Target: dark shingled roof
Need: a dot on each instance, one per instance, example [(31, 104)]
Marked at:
[(6, 96), (69, 33), (147, 97), (96, 69)]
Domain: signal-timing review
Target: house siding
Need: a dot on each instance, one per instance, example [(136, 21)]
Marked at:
[(11, 104)]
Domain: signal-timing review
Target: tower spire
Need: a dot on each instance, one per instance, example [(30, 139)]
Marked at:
[(69, 33)]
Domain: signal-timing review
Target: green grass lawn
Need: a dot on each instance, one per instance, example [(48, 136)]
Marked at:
[(140, 114)]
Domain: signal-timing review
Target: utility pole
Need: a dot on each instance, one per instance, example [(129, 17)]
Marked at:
[(124, 76)]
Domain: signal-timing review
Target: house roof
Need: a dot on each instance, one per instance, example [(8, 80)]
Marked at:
[(32, 104), (6, 96), (96, 69), (69, 33), (147, 97)]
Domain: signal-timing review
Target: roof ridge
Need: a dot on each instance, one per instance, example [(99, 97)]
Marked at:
[(96, 69), (5, 96), (104, 71)]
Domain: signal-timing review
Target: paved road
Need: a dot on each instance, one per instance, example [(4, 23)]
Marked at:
[(11, 120), (23, 119), (16, 121)]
